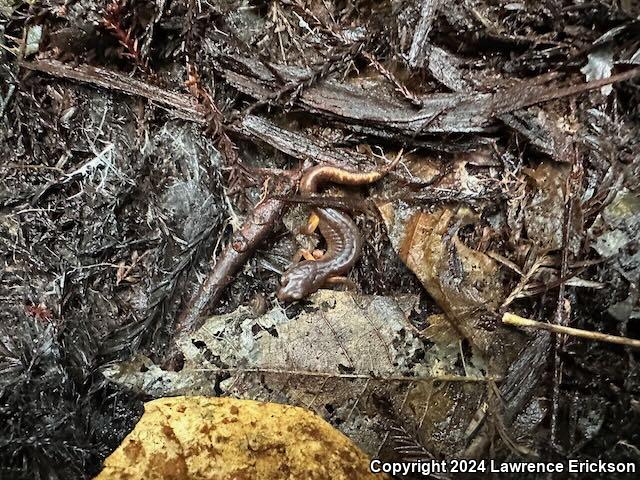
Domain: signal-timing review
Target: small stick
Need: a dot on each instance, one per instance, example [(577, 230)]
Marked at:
[(511, 319), (352, 376), (258, 226), (181, 105)]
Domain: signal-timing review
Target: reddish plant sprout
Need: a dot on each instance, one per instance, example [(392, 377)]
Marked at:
[(112, 20), (40, 311)]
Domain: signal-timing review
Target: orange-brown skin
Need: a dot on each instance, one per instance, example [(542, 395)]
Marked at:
[(315, 176), (344, 243)]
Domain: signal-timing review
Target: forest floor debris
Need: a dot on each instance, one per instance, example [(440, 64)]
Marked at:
[(151, 149)]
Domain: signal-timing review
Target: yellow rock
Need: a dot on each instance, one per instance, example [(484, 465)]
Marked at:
[(198, 438)]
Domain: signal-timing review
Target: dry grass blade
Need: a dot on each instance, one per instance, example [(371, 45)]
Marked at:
[(511, 319)]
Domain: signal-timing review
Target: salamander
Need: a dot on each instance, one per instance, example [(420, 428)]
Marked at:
[(344, 245), (344, 242)]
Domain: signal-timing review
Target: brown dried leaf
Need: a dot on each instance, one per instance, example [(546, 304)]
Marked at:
[(461, 280)]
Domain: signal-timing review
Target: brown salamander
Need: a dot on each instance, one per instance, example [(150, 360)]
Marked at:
[(344, 242)]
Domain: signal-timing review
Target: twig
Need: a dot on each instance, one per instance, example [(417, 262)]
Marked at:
[(182, 106), (351, 376), (255, 229), (561, 315), (384, 71), (217, 127), (512, 319), (18, 166), (420, 42), (524, 281), (217, 122), (546, 93)]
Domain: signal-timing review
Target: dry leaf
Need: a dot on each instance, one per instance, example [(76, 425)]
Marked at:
[(336, 333), (462, 281), (353, 359)]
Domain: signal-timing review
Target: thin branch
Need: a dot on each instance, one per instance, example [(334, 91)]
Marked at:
[(256, 228), (561, 315), (351, 376), (179, 104), (512, 319)]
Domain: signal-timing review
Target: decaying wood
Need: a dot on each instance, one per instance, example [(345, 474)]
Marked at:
[(562, 314), (419, 43), (460, 112), (295, 144), (298, 145), (348, 103), (520, 383), (544, 135), (440, 113), (182, 106)]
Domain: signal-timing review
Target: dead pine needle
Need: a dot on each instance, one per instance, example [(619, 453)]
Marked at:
[(511, 319)]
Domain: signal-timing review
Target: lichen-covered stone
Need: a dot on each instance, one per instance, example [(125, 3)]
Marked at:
[(192, 438)]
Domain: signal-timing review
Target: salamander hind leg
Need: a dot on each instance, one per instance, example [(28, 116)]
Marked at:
[(307, 255)]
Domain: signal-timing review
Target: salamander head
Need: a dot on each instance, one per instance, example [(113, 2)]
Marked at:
[(298, 282)]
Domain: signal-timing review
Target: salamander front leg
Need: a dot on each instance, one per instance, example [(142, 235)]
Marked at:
[(312, 224)]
